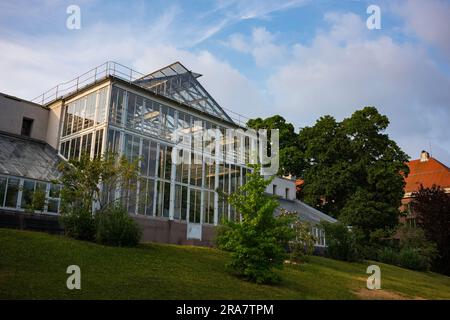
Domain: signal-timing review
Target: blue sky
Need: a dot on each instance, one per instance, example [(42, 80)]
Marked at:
[(298, 58)]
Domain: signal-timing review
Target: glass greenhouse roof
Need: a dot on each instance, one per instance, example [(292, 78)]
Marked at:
[(178, 83)]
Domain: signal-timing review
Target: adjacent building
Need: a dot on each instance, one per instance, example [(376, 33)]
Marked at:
[(426, 171), (113, 108)]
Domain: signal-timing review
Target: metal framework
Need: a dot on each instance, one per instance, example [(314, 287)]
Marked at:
[(178, 83)]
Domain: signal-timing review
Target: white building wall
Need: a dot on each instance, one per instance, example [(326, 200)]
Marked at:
[(12, 112), (54, 124), (284, 188)]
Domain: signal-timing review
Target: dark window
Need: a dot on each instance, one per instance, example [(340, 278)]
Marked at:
[(26, 126), (287, 193)]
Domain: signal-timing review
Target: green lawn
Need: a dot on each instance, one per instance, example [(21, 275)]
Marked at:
[(33, 266)]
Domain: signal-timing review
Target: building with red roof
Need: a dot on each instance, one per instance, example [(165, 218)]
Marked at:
[(426, 171)]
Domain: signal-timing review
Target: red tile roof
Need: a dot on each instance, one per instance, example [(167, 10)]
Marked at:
[(427, 173)]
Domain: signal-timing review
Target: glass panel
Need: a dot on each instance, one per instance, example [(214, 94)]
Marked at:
[(145, 157), (117, 105), (166, 199), (12, 192), (132, 193), (152, 159), (2, 190), (52, 205), (149, 197), (98, 143), (210, 173), (101, 106), (180, 207), (208, 205), (196, 170), (113, 141), (130, 110), (163, 199), (27, 193), (89, 115), (194, 208), (150, 124), (54, 191)]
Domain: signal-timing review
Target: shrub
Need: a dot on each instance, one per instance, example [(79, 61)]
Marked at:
[(342, 243), (79, 224), (388, 255), (411, 258), (116, 228), (37, 201), (302, 245), (415, 240)]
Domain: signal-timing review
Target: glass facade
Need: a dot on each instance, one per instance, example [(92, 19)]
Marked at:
[(82, 130), (17, 193), (143, 128)]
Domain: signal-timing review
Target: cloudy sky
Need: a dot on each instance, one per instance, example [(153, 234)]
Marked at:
[(298, 58)]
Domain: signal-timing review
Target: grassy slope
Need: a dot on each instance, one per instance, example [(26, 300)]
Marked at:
[(33, 265)]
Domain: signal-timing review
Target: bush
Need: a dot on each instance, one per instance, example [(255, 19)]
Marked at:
[(116, 228), (79, 224), (412, 259), (388, 255), (302, 245), (342, 243)]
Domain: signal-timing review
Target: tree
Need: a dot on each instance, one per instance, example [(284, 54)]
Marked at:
[(257, 243), (432, 207), (291, 159), (354, 171), (82, 181)]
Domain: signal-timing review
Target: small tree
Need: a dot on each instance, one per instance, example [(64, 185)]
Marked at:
[(302, 245), (81, 182), (257, 243)]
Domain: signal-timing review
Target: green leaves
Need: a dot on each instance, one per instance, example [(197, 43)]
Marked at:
[(256, 242), (354, 171), (81, 180)]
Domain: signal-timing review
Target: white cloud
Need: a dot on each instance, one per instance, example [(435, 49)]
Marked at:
[(429, 21), (30, 67), (340, 73), (261, 45)]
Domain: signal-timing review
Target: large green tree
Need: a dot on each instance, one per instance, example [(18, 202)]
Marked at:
[(291, 160), (354, 171)]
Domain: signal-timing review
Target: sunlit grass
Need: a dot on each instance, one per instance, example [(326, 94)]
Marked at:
[(33, 266)]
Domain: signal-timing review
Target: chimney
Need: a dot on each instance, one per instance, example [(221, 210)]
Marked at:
[(424, 156)]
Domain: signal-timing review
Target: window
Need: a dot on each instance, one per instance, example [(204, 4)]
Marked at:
[(208, 205), (194, 205), (180, 207), (98, 143), (27, 124), (27, 193), (11, 192), (2, 190), (163, 198), (274, 189), (287, 193)]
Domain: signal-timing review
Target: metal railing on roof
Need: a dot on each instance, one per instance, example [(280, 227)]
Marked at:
[(109, 68)]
